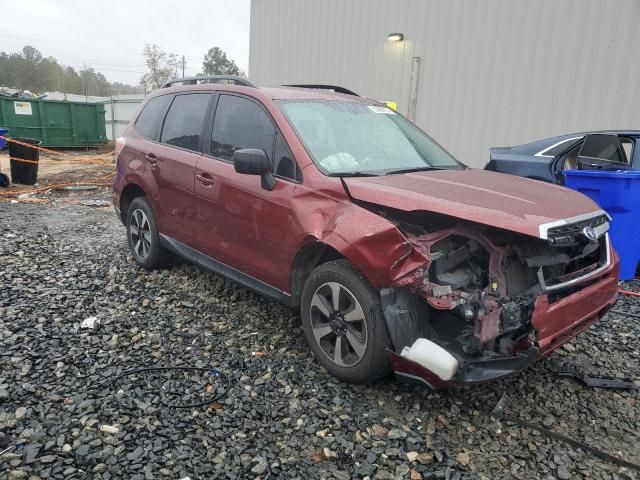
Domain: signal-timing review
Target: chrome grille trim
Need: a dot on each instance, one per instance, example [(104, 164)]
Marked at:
[(545, 227)]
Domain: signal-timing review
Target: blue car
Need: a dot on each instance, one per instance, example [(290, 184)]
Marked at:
[(546, 159)]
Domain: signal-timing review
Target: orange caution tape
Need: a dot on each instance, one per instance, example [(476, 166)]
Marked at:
[(22, 160), (104, 180), (93, 159)]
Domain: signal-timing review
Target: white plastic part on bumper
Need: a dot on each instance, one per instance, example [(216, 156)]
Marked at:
[(432, 357)]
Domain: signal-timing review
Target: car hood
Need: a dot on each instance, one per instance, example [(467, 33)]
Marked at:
[(498, 200)]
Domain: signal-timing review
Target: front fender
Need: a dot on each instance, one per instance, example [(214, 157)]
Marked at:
[(372, 243)]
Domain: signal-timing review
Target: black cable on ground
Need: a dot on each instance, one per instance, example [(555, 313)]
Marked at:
[(214, 373), (621, 312), (501, 407)]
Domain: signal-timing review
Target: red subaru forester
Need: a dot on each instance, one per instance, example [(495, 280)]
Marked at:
[(399, 257)]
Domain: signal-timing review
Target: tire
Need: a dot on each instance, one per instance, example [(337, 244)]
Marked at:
[(146, 249), (362, 356)]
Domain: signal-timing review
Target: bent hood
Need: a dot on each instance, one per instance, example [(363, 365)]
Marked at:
[(498, 200)]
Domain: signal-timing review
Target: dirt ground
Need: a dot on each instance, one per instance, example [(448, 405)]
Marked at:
[(60, 169)]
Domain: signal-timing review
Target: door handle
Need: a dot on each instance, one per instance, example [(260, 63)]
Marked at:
[(151, 159), (205, 179)]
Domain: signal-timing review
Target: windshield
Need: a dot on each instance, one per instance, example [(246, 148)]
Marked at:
[(353, 138)]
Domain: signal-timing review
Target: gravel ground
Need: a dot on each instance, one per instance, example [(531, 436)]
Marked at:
[(63, 392)]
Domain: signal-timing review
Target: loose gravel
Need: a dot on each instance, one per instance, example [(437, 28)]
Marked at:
[(68, 395)]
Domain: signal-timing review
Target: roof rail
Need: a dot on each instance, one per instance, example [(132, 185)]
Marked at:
[(334, 88), (210, 79)]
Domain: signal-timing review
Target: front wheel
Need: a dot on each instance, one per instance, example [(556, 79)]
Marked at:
[(343, 323), (143, 237)]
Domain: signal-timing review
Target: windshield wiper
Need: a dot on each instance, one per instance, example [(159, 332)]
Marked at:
[(414, 169), (353, 174)]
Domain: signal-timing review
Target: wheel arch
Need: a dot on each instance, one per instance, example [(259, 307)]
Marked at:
[(308, 258), (129, 193), (370, 242)]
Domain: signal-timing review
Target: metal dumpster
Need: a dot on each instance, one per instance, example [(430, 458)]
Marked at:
[(618, 193), (55, 124)]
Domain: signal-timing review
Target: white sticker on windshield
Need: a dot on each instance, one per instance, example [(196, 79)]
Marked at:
[(378, 109)]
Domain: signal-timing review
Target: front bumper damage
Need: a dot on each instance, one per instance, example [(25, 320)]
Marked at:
[(498, 333), (473, 371)]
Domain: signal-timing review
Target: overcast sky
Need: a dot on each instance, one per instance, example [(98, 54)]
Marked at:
[(110, 35)]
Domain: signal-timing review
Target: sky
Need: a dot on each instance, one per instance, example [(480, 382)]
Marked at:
[(110, 35)]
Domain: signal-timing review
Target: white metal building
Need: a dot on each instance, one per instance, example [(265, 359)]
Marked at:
[(474, 74)]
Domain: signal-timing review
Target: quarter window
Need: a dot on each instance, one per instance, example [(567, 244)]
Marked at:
[(184, 121), (560, 147), (149, 119), (240, 123)]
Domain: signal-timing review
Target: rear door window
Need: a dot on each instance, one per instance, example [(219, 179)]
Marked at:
[(240, 123), (184, 121), (603, 147), (149, 119)]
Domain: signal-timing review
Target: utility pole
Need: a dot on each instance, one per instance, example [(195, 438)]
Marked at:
[(182, 66)]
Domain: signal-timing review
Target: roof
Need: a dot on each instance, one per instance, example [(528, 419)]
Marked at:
[(298, 93), (538, 145), (275, 93)]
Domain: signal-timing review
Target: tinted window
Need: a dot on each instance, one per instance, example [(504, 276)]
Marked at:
[(240, 123), (283, 163), (183, 124), (603, 147), (149, 119)]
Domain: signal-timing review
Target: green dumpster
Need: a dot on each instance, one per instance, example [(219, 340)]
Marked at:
[(54, 123)]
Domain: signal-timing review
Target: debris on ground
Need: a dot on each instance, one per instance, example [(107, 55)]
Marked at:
[(61, 263), (592, 379), (90, 322)]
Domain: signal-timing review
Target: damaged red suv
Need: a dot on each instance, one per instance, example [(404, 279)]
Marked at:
[(399, 257)]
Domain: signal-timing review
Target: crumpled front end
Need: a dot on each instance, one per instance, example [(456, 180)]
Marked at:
[(487, 303)]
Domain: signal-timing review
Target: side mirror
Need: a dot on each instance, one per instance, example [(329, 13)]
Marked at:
[(253, 161)]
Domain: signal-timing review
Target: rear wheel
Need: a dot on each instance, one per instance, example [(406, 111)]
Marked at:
[(142, 235), (343, 323)]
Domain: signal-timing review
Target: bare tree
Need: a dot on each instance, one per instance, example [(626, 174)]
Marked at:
[(162, 66)]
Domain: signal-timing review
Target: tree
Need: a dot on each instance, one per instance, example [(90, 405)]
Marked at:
[(30, 70), (162, 67), (216, 63)]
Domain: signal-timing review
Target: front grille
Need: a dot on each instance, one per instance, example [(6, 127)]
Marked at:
[(579, 269), (566, 235)]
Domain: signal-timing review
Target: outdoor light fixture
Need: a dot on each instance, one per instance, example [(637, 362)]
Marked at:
[(395, 37)]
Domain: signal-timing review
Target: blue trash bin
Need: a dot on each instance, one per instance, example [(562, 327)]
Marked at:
[(4, 179), (618, 193)]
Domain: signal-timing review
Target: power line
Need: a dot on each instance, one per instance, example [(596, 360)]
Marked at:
[(83, 66), (94, 62), (75, 43)]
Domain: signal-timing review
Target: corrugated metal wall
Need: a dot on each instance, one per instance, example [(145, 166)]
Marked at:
[(119, 109), (493, 72)]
